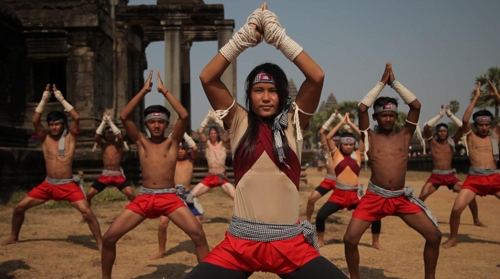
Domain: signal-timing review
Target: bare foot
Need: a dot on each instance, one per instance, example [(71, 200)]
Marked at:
[(8, 241), (479, 224), (158, 255), (378, 246), (449, 243)]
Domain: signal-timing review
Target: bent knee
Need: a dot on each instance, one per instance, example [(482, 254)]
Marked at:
[(434, 236), (350, 240), (198, 236), (109, 239), (457, 210), (20, 208)]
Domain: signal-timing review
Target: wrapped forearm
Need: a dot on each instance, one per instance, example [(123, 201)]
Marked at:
[(275, 35), (370, 98), (244, 38), (405, 94), (64, 103), (205, 121), (189, 140), (433, 120), (115, 129), (329, 122), (453, 118), (100, 129), (43, 101)]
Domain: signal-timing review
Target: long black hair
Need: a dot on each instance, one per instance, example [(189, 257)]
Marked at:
[(281, 82)]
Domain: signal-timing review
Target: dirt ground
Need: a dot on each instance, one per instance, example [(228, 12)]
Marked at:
[(55, 245)]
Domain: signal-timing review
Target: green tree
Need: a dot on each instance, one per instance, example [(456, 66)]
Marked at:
[(454, 106), (485, 100)]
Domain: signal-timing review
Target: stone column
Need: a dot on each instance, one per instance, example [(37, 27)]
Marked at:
[(224, 34), (122, 67), (80, 74), (172, 64), (186, 79)]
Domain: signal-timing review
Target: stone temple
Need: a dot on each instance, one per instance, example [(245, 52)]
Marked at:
[(94, 50)]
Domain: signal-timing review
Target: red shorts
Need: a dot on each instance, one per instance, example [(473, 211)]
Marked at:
[(214, 180), (112, 180), (483, 185), (443, 179), (344, 198), (280, 257), (328, 184), (373, 207), (71, 192), (155, 205)]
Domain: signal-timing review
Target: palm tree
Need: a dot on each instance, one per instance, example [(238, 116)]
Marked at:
[(454, 106), (485, 100)]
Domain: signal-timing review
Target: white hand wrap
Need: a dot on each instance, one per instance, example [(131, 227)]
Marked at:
[(370, 98), (405, 94), (43, 101), (64, 103), (101, 127), (243, 39), (453, 118), (189, 140), (434, 120), (346, 127), (115, 129), (275, 35), (205, 121), (329, 121)]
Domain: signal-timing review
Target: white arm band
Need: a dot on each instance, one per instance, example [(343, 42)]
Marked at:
[(64, 103), (101, 127), (205, 121), (241, 40), (115, 129), (433, 121), (275, 35), (328, 122), (189, 140), (405, 94), (370, 98), (43, 101), (455, 120)]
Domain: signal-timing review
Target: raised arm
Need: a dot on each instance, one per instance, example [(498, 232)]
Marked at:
[(100, 130), (113, 127), (203, 125), (75, 123), (348, 122), (310, 91), (493, 91), (468, 112), (217, 93), (335, 129), (126, 114), (431, 123), (411, 100), (192, 145), (458, 135), (37, 124), (369, 99), (181, 123)]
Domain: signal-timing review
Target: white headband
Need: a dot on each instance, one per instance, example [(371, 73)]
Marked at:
[(483, 118), (386, 107), (347, 140), (154, 115), (263, 77)]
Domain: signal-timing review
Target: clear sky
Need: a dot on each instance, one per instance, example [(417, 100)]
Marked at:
[(437, 48)]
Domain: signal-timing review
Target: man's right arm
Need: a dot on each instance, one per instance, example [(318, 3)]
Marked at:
[(37, 124), (468, 112), (126, 114)]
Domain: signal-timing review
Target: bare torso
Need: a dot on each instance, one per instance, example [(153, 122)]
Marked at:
[(388, 157), (56, 166), (112, 155), (442, 154), (216, 157), (183, 173), (157, 163), (481, 150)]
